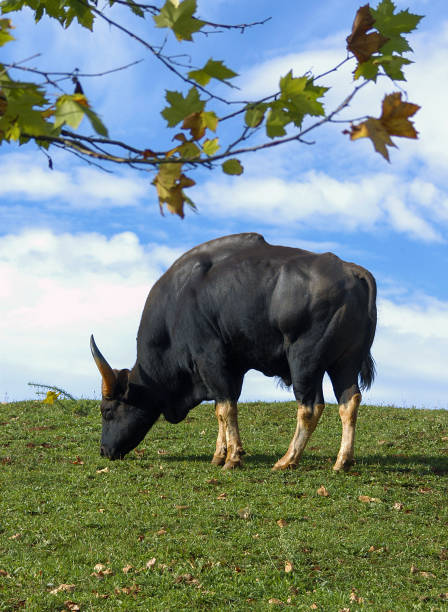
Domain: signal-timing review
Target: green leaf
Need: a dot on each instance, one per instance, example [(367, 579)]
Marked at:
[(5, 36), (189, 150), (181, 107), (96, 122), (368, 70), (255, 114), (232, 166), (212, 70), (389, 24), (292, 86), (68, 111), (179, 19), (276, 120), (210, 120), (211, 146), (392, 65)]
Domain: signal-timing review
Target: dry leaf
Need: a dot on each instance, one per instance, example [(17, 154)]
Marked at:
[(366, 499), (127, 569), (182, 507), (162, 452), (78, 461), (314, 606), (103, 471), (398, 506), (101, 510), (394, 121), (322, 491), (16, 536), (354, 597), (361, 44), (213, 481), (425, 490), (281, 523), (288, 567), (150, 564), (276, 602), (71, 605), (140, 538), (244, 513), (4, 573), (222, 496), (63, 587), (161, 531)]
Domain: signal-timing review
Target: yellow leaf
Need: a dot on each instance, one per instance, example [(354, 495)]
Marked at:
[(281, 523), (288, 567), (51, 396), (373, 129)]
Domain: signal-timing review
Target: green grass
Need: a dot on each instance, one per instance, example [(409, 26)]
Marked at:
[(215, 535)]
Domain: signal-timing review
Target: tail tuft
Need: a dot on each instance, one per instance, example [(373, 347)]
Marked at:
[(367, 374)]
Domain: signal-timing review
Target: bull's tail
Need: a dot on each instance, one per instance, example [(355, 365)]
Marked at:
[(367, 372)]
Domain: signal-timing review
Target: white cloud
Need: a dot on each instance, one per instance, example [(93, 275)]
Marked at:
[(58, 289), (24, 176), (364, 203)]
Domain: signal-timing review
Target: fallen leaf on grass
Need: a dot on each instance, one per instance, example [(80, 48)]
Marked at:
[(63, 587), (322, 491), (398, 506), (222, 496), (140, 538), (78, 461), (187, 579), (281, 523), (162, 452), (366, 499), (423, 574), (101, 595), (213, 481), (182, 507), (314, 606), (4, 573), (103, 471), (72, 606), (127, 569), (244, 513), (132, 590), (289, 567), (101, 570), (276, 602), (161, 531), (16, 536), (425, 490), (150, 564), (354, 597), (443, 596)]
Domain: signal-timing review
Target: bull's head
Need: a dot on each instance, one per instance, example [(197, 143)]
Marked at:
[(125, 422)]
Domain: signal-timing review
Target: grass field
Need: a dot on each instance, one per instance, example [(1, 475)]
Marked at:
[(166, 530)]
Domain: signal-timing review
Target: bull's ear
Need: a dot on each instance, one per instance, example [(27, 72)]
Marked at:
[(122, 377), (109, 378)]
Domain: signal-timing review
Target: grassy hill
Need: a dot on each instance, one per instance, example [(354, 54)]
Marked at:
[(166, 530)]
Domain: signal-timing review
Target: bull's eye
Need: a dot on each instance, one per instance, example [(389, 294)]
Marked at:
[(107, 414)]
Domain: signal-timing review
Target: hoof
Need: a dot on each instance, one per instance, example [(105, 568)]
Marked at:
[(343, 466), (284, 465), (231, 465), (219, 459)]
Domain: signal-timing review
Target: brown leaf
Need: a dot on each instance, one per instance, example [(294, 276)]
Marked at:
[(16, 536), (71, 605), (322, 491), (162, 531), (244, 513), (127, 569), (281, 523), (425, 490), (394, 121), (213, 481), (222, 495), (78, 461), (275, 602), (359, 42), (314, 606), (398, 506), (196, 124), (182, 507), (103, 471), (4, 573), (367, 500), (63, 587), (187, 579), (150, 564), (289, 567)]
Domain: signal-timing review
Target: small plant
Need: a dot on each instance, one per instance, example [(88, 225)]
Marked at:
[(55, 394)]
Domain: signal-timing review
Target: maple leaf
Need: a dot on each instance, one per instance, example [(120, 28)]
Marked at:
[(361, 43), (394, 121)]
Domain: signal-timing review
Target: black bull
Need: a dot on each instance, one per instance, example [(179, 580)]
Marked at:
[(234, 304)]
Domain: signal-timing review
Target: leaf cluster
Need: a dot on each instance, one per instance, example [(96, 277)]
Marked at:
[(32, 111)]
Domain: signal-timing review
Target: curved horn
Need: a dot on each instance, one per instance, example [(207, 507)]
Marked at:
[(107, 373)]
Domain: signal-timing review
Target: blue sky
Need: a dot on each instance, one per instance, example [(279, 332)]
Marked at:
[(79, 248)]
